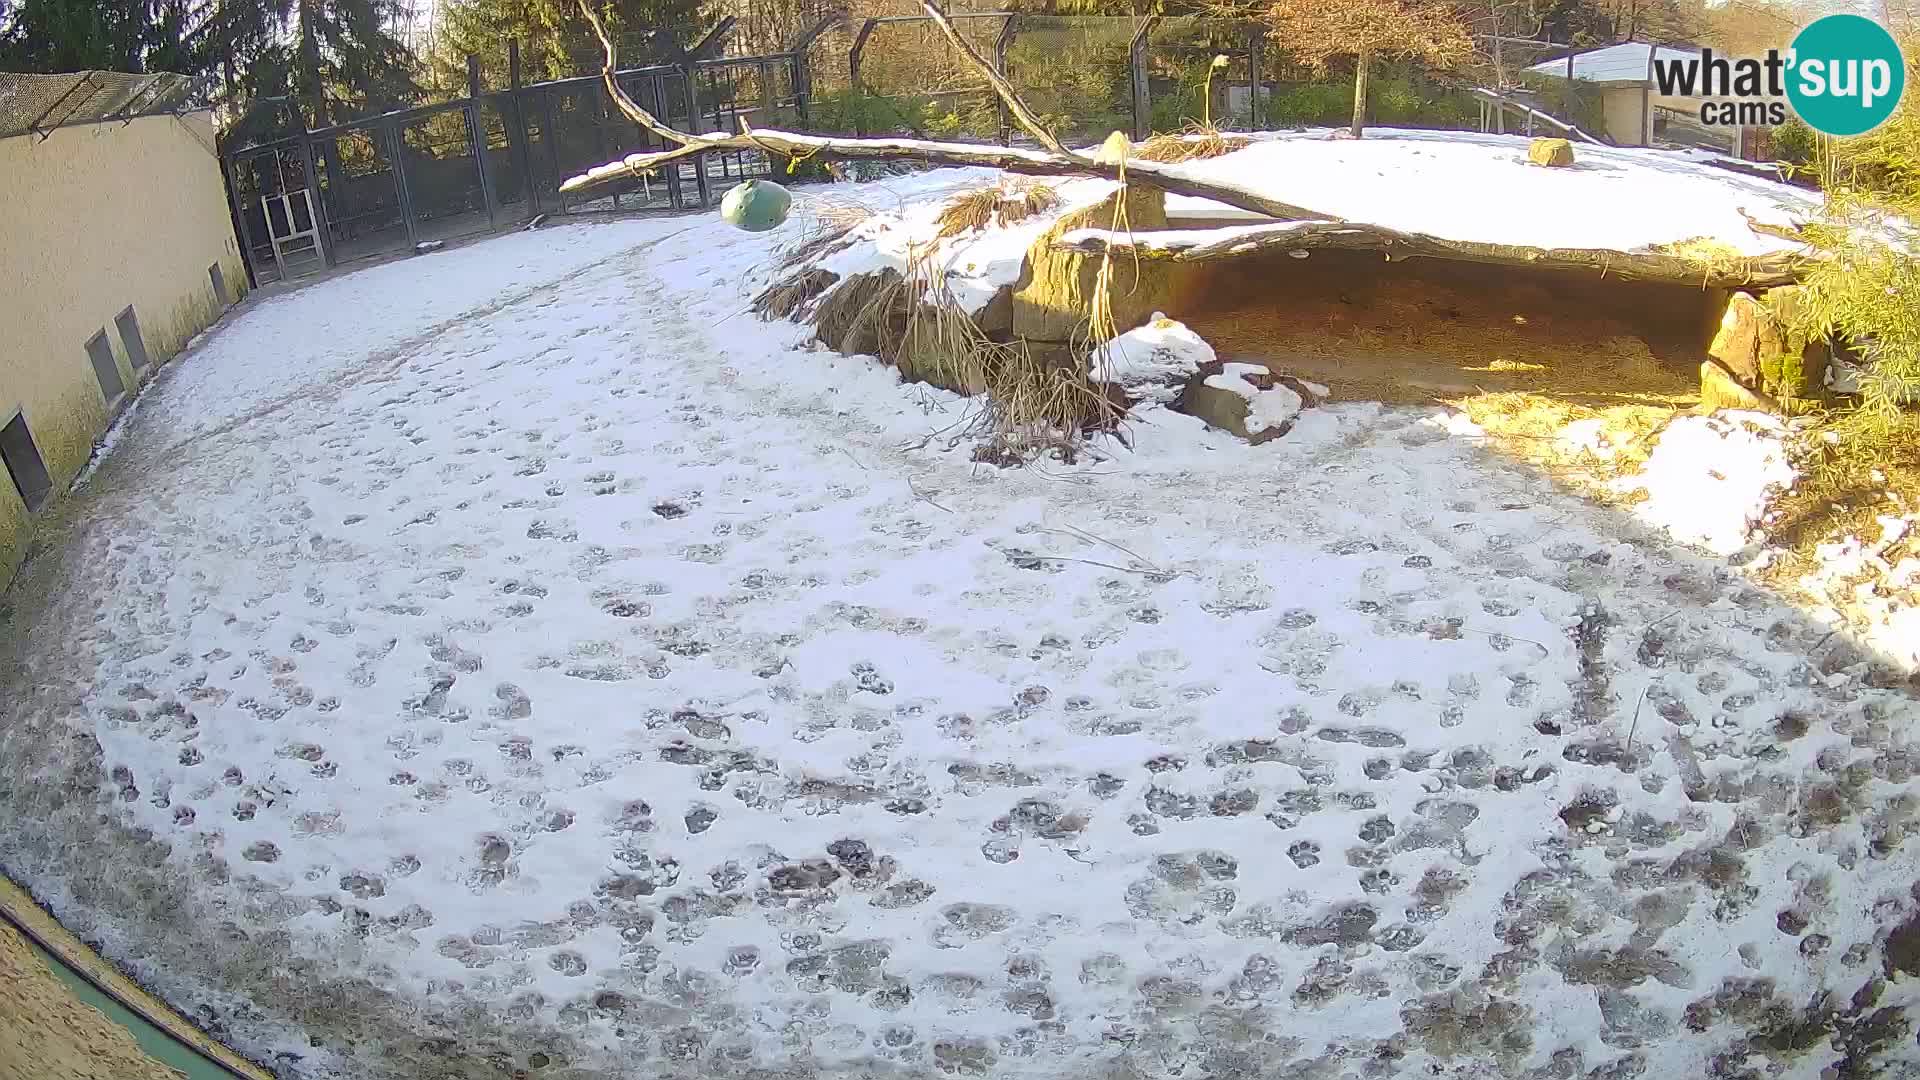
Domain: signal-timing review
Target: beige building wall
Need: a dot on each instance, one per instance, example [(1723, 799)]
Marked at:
[(94, 218), (1625, 111)]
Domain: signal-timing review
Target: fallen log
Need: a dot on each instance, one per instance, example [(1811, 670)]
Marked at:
[(1238, 241), (798, 145)]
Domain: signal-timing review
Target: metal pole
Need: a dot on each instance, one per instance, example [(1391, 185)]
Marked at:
[(548, 135), (1000, 46), (477, 139), (397, 153), (696, 125), (853, 74), (231, 167), (315, 204), (765, 70), (1256, 44), (517, 129), (1137, 65), (798, 74), (1646, 98)]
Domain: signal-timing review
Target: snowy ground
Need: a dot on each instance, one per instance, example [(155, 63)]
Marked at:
[(518, 657)]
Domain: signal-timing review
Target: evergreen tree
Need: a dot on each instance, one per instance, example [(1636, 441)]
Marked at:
[(75, 35), (555, 41), (335, 58)]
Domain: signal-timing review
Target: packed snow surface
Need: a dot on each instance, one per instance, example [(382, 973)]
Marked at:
[(519, 658), (1467, 186)]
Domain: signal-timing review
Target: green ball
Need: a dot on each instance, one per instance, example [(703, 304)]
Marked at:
[(756, 205)]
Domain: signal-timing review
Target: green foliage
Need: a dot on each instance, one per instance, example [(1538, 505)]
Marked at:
[(1174, 107), (1866, 289), (1794, 141), (74, 35), (923, 115), (1867, 292), (555, 41), (1310, 104), (963, 118), (1080, 87), (1404, 102), (1394, 101)]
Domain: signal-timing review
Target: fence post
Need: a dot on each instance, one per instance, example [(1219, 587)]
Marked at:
[(1137, 67), (1000, 46), (230, 170), (1646, 97), (549, 128), (1256, 45), (799, 75), (517, 130), (696, 125), (315, 204), (477, 139), (853, 76), (397, 153)]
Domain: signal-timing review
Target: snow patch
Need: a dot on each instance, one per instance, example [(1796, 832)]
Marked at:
[(1152, 363), (1879, 599), (968, 270), (1709, 478)]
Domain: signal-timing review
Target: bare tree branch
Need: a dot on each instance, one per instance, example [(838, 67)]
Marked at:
[(1056, 160), (999, 83)]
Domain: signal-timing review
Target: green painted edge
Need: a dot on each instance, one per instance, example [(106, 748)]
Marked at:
[(156, 1043)]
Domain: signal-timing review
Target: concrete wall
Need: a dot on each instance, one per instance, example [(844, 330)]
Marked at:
[(94, 218)]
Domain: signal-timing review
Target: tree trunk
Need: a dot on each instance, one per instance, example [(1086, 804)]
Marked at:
[(1359, 93)]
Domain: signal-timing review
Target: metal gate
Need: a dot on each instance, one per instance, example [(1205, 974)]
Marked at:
[(272, 192)]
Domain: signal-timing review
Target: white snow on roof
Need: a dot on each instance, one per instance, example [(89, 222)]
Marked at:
[(1616, 63), (1462, 185)]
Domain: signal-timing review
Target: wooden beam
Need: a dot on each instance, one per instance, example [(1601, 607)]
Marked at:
[(1231, 242)]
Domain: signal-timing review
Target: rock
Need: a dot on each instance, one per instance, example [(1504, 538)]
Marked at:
[(1797, 369), (1719, 390), (1760, 354), (1737, 344), (1247, 400), (1055, 290), (1554, 152)]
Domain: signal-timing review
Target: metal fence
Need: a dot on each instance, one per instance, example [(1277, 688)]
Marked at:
[(42, 103), (388, 183), (392, 182)]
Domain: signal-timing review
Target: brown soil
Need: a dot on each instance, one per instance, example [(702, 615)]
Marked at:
[(1427, 330)]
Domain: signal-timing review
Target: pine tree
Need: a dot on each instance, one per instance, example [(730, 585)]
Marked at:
[(75, 35), (555, 42)]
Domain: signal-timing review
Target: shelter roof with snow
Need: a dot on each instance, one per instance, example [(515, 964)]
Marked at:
[(1628, 62)]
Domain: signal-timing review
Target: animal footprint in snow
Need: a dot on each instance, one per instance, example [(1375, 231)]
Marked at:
[(1304, 853), (868, 679)]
